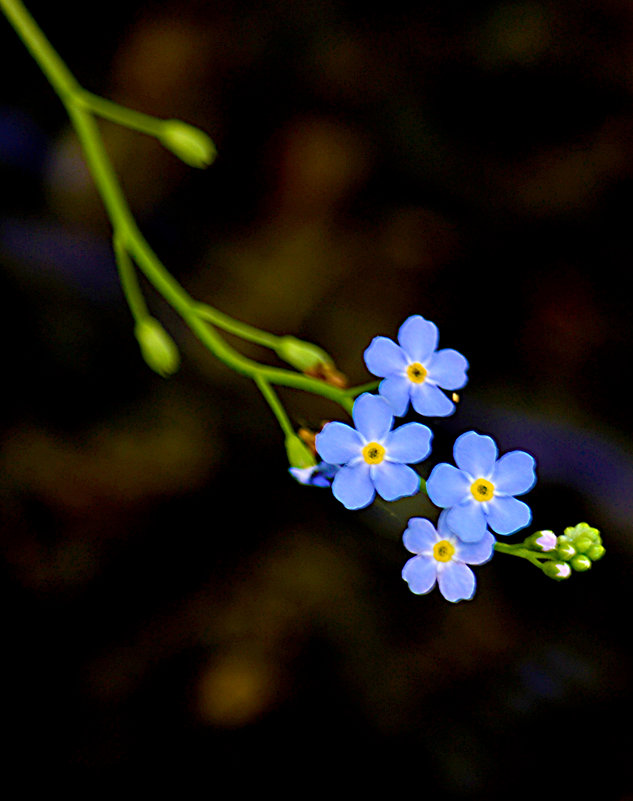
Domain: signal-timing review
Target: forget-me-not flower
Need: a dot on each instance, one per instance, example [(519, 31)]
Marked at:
[(442, 557), (318, 475), (415, 370), (373, 458), (479, 491)]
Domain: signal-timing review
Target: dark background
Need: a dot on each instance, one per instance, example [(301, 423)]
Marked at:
[(174, 604)]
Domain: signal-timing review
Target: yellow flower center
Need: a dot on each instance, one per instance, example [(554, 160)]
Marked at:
[(416, 372), (443, 551), (373, 453), (482, 490)]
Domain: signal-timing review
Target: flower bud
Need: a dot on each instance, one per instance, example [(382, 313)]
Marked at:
[(595, 552), (564, 548), (299, 455), (157, 347), (542, 541), (557, 570), (582, 530), (581, 562), (190, 144), (303, 356), (582, 544)]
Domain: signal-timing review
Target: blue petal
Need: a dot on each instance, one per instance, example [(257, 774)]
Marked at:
[(475, 453), (353, 486), (447, 368), (410, 443), (514, 473), (373, 417), (420, 574), (383, 357), (393, 481), (324, 474), (443, 530), (429, 401), (395, 390), (418, 338), (476, 553), (507, 515), (447, 486), (302, 474), (338, 443), (457, 582), (419, 536), (467, 521)]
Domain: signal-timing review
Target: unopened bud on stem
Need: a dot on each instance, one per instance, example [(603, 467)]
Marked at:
[(299, 454), (557, 570), (303, 356), (158, 349), (190, 144)]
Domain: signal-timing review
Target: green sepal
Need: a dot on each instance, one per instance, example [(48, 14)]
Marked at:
[(299, 455)]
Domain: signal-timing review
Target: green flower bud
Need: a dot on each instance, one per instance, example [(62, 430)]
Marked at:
[(303, 356), (581, 562), (157, 348), (582, 544), (190, 144), (595, 552), (299, 455), (582, 530), (565, 549), (557, 570)]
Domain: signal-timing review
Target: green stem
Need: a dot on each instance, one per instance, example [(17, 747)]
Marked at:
[(80, 105), (370, 386), (129, 281), (243, 330), (275, 404), (127, 117), (58, 74), (524, 553)]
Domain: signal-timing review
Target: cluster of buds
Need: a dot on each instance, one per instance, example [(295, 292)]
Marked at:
[(576, 549)]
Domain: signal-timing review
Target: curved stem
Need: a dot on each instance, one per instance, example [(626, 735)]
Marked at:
[(275, 404), (242, 330), (130, 242), (524, 553), (127, 117), (129, 281), (370, 386), (58, 74)]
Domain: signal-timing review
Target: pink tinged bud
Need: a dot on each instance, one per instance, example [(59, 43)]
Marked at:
[(563, 570), (546, 541)]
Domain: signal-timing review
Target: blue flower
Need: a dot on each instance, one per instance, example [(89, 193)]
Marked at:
[(442, 557), (372, 457), (319, 475), (415, 370), (479, 491)]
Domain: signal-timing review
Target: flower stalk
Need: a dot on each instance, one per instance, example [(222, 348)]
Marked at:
[(130, 247)]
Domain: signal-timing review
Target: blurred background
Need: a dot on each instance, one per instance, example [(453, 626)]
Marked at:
[(173, 601)]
